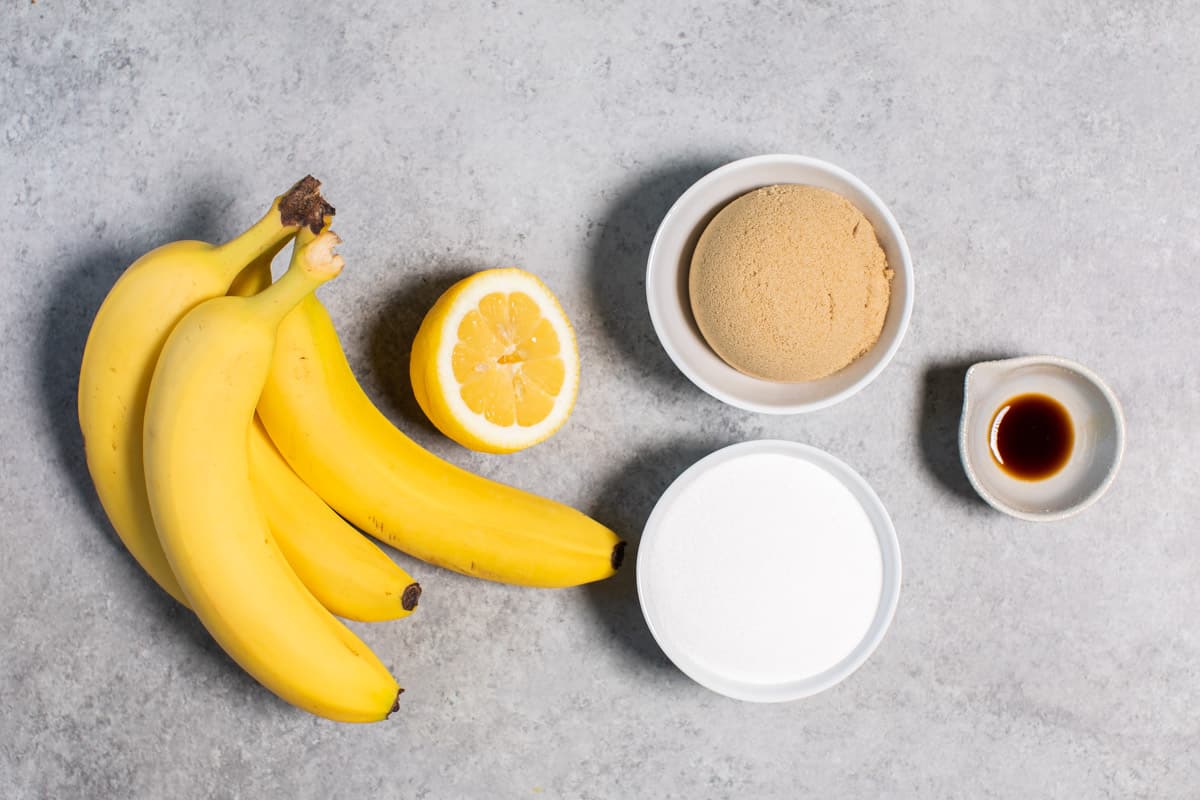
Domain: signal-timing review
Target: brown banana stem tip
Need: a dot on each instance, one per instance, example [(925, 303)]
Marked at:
[(303, 205), (618, 555), (396, 704), (410, 596)]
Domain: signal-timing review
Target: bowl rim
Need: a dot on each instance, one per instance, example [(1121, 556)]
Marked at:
[(891, 578), (1110, 475), (667, 343)]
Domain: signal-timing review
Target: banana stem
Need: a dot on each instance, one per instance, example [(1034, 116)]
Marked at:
[(301, 206), (313, 263), (257, 275)]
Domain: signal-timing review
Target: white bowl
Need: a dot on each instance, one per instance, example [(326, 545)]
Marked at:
[(1096, 417), (670, 259), (674, 631)]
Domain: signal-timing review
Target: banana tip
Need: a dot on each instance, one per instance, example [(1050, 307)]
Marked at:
[(618, 554), (410, 596)]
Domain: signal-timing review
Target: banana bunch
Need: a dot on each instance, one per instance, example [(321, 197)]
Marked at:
[(229, 443)]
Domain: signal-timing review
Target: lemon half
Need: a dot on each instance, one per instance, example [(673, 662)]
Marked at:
[(495, 365)]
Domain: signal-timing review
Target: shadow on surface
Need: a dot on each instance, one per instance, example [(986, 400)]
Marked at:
[(941, 409), (392, 333), (617, 264), (624, 505)]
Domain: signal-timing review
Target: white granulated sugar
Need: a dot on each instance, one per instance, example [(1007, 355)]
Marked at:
[(765, 569)]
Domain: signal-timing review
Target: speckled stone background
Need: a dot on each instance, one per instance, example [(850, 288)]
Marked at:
[(1043, 159)]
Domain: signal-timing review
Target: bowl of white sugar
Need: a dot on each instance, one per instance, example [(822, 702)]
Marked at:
[(769, 571)]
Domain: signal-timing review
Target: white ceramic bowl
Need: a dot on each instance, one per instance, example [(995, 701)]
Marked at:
[(670, 307), (1096, 417), (669, 630)]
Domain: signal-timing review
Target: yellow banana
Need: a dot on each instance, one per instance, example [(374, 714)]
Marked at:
[(349, 576), (343, 447), (198, 414), (125, 340)]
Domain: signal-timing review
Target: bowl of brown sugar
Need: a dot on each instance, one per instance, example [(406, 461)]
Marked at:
[(780, 284)]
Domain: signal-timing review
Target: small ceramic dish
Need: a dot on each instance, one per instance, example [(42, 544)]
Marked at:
[(669, 265), (1099, 436)]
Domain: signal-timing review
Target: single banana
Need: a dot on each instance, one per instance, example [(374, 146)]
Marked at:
[(123, 346), (343, 447), (198, 414), (348, 575)]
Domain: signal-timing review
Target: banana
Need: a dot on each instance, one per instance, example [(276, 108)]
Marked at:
[(198, 414), (348, 575), (343, 447), (126, 337)]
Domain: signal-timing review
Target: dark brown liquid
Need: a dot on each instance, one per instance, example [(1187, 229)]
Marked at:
[(1031, 436)]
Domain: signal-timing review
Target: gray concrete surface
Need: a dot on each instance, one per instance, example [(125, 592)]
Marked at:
[(1043, 160)]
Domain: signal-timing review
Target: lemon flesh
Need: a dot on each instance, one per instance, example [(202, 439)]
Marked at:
[(495, 365)]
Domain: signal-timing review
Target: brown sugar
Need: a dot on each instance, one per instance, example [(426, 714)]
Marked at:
[(789, 283)]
